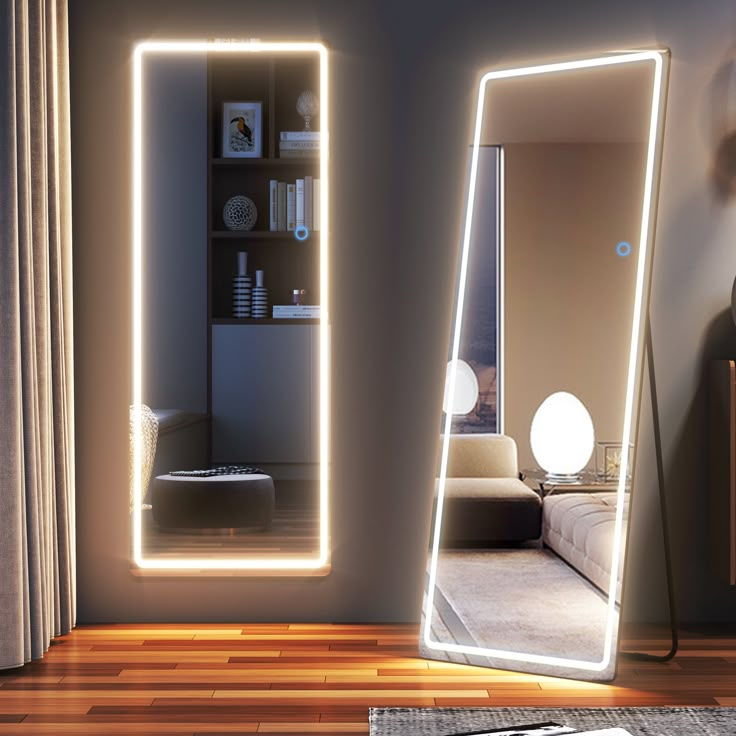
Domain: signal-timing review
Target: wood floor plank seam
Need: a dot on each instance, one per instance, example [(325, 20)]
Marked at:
[(281, 678)]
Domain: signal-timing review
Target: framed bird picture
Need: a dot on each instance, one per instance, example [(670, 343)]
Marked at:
[(242, 130)]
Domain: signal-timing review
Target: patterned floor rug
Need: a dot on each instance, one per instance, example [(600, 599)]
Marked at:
[(703, 721)]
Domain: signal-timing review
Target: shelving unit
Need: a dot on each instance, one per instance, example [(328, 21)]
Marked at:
[(287, 263), (246, 390)]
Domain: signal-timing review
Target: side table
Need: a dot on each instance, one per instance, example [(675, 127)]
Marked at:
[(588, 481)]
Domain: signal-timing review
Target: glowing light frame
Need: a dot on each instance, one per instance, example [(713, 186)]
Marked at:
[(277, 565), (635, 356)]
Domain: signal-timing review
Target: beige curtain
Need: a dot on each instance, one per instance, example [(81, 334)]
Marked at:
[(37, 584)]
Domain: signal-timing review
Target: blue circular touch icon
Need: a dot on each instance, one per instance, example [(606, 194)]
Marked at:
[(623, 249), (301, 232)]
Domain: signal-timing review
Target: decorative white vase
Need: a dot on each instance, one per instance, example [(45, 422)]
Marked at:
[(259, 308), (242, 292)]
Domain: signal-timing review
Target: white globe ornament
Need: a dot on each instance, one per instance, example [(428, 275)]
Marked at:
[(465, 395), (562, 437)]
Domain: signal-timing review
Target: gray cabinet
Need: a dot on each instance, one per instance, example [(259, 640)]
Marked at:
[(264, 393)]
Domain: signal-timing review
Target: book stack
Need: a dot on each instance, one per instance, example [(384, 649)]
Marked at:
[(294, 204), (296, 311), (299, 144)]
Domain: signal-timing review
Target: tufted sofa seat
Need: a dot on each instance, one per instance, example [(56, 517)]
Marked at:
[(580, 527)]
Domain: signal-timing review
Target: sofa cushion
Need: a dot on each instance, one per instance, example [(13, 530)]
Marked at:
[(481, 456), (580, 528), (492, 490)]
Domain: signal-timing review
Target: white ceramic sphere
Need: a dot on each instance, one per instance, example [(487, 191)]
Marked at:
[(562, 435), (466, 389)]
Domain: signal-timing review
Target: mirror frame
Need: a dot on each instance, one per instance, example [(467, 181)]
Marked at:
[(660, 60), (318, 564)]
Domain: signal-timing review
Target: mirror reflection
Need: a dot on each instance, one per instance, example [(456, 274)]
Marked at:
[(535, 454), (233, 190)]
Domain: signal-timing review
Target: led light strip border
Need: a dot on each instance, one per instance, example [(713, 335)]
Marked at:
[(285, 564), (637, 336), (500, 290)]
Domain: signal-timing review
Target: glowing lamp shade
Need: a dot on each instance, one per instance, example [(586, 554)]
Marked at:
[(461, 397), (562, 436)]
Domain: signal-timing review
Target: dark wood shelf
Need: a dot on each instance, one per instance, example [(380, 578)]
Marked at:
[(287, 263), (265, 321), (252, 162), (261, 235)]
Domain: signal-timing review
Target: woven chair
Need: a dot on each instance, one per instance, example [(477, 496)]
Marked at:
[(149, 433)]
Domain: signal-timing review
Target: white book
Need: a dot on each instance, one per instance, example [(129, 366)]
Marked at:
[(295, 307), (290, 207), (295, 315), (317, 204), (281, 210), (273, 204), (299, 202), (299, 154), (299, 145), (288, 312), (309, 202), (300, 135)]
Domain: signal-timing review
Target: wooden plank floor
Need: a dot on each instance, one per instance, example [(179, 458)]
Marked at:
[(211, 680)]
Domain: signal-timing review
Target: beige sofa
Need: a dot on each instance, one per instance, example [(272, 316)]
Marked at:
[(580, 528), (486, 504)]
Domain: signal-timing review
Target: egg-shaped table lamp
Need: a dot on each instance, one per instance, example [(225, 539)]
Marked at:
[(562, 437), (463, 396)]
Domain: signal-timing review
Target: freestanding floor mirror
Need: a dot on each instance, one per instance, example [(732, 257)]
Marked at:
[(537, 437), (229, 422)]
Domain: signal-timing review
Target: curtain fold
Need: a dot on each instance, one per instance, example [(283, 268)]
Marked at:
[(37, 580)]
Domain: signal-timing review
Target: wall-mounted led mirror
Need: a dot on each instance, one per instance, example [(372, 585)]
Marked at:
[(534, 468), (229, 415)]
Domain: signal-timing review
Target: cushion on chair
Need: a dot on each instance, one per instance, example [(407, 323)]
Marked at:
[(481, 456), (485, 502), (491, 489)]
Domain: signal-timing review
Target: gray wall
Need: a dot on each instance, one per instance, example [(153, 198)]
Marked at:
[(403, 79), (569, 298), (175, 232)]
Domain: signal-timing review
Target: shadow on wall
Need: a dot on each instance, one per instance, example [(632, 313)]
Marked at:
[(694, 496), (722, 93), (688, 508), (686, 453), (720, 338)]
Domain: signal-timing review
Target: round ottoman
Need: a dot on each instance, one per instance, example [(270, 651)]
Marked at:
[(213, 504)]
